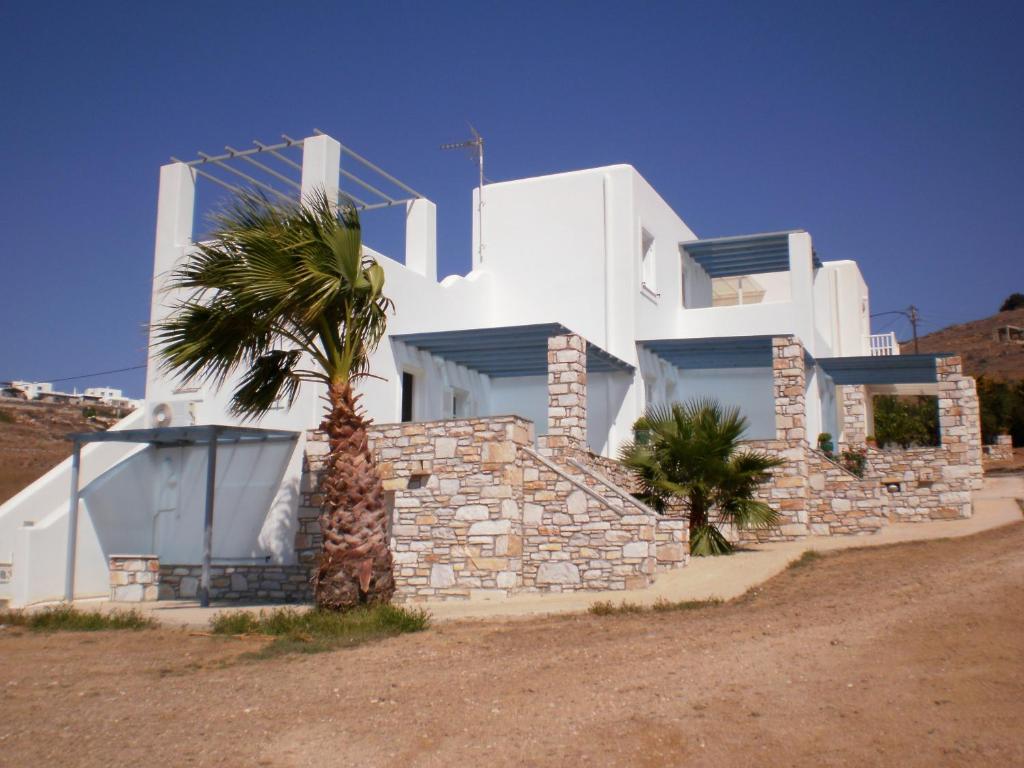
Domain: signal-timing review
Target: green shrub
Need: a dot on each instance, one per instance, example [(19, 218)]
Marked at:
[(1013, 301), (906, 421), (1002, 409), (66, 618), (6, 417), (854, 461), (314, 631)]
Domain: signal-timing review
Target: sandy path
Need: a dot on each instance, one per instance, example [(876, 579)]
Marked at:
[(904, 655)]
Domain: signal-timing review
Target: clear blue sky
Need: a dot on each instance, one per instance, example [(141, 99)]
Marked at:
[(893, 131)]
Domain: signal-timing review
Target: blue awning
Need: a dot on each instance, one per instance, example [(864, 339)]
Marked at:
[(716, 352), (515, 350), (882, 369), (744, 255)]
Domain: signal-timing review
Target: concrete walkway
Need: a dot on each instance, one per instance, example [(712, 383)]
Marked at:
[(704, 578)]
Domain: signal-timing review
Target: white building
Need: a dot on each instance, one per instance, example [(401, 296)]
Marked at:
[(33, 390), (666, 316)]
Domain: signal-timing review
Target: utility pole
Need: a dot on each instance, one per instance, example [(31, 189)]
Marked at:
[(913, 316)]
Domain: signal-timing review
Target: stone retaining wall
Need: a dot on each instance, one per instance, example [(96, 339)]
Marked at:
[(458, 492), (476, 510), (573, 540), (274, 583), (919, 484), (839, 502), (134, 578)]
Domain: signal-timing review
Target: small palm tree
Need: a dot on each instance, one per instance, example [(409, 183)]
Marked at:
[(284, 294), (691, 452)]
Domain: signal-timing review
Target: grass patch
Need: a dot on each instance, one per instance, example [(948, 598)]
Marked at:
[(661, 605), (6, 417), (314, 631), (808, 557), (66, 618)]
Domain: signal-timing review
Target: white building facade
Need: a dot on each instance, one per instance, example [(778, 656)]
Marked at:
[(595, 254)]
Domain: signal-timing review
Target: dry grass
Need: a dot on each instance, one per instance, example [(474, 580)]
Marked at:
[(313, 631), (65, 618), (608, 608)]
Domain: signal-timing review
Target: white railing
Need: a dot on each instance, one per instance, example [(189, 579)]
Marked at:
[(883, 344)]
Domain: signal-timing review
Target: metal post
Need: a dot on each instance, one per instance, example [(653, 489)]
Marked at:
[(69, 576), (211, 482)]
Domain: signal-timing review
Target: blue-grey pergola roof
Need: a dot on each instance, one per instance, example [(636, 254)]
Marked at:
[(515, 350), (200, 434), (881, 369), (743, 255), (715, 352)]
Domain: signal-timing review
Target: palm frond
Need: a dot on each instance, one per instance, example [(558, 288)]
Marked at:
[(275, 276)]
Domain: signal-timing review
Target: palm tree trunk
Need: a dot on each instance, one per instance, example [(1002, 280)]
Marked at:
[(698, 516), (355, 566)]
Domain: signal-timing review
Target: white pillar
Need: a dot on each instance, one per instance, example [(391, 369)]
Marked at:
[(321, 166), (801, 276), (175, 211), (421, 237)]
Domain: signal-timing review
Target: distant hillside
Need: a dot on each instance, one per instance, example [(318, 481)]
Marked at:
[(975, 342), (32, 438)]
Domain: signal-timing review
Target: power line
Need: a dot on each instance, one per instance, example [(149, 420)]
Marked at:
[(98, 373), (912, 314)]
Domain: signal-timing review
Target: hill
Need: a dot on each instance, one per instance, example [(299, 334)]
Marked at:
[(33, 438), (976, 343)]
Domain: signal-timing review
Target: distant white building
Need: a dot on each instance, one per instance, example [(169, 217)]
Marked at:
[(104, 394), (33, 390)]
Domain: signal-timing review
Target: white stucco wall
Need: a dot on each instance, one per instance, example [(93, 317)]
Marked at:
[(561, 248)]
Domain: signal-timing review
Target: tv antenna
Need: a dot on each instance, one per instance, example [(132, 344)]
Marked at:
[(476, 150)]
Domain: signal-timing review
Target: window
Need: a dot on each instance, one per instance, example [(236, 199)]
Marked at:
[(647, 266), (408, 391)]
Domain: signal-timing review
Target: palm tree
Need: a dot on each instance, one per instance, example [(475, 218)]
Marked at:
[(284, 295), (690, 452)]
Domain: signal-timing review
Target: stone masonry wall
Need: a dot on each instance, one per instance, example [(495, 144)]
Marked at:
[(477, 510), (457, 521), (577, 540), (855, 417), (276, 583), (1001, 450), (839, 502), (672, 529), (134, 578), (567, 393), (786, 491), (959, 424), (916, 484)]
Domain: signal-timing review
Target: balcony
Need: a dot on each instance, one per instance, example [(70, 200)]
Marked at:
[(883, 344)]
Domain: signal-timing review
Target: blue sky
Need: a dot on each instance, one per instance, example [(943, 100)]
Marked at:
[(892, 131)]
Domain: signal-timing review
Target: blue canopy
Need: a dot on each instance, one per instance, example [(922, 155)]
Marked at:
[(515, 350), (714, 352), (881, 369), (743, 255)]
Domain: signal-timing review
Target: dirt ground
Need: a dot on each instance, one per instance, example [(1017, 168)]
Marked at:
[(33, 438), (909, 655)]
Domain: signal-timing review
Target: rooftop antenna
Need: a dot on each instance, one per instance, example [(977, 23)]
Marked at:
[(476, 150)]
